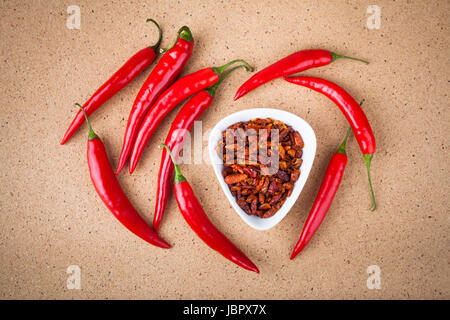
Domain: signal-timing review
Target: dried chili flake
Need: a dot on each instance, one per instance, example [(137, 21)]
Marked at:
[(259, 188)]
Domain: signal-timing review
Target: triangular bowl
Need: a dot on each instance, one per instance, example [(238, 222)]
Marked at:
[(309, 152)]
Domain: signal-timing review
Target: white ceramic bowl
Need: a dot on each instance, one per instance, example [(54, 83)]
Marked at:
[(309, 152)]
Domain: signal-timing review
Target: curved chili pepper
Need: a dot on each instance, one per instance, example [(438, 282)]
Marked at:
[(134, 66), (352, 111), (325, 196), (181, 125), (296, 62), (112, 195), (177, 92), (164, 73), (197, 219)]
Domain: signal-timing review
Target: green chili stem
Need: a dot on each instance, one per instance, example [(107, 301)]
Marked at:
[(212, 90), (178, 176), (368, 159), (342, 146), (335, 56), (156, 45), (183, 33), (92, 134), (221, 69)]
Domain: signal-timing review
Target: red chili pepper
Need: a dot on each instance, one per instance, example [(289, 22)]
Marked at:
[(164, 73), (352, 111), (197, 219), (112, 195), (177, 92), (325, 196), (134, 66), (181, 125), (296, 62)]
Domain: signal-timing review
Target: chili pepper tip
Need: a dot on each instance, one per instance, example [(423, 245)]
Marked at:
[(298, 248)]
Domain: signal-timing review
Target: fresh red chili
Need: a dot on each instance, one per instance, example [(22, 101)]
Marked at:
[(133, 67), (176, 93), (164, 73), (296, 62), (181, 125), (352, 111), (325, 196), (112, 195), (197, 219)]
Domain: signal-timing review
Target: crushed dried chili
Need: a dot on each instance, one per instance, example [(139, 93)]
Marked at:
[(262, 159)]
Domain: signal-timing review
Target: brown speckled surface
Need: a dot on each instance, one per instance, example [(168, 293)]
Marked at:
[(51, 216)]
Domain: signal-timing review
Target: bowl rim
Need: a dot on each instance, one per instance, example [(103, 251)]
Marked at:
[(309, 138)]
